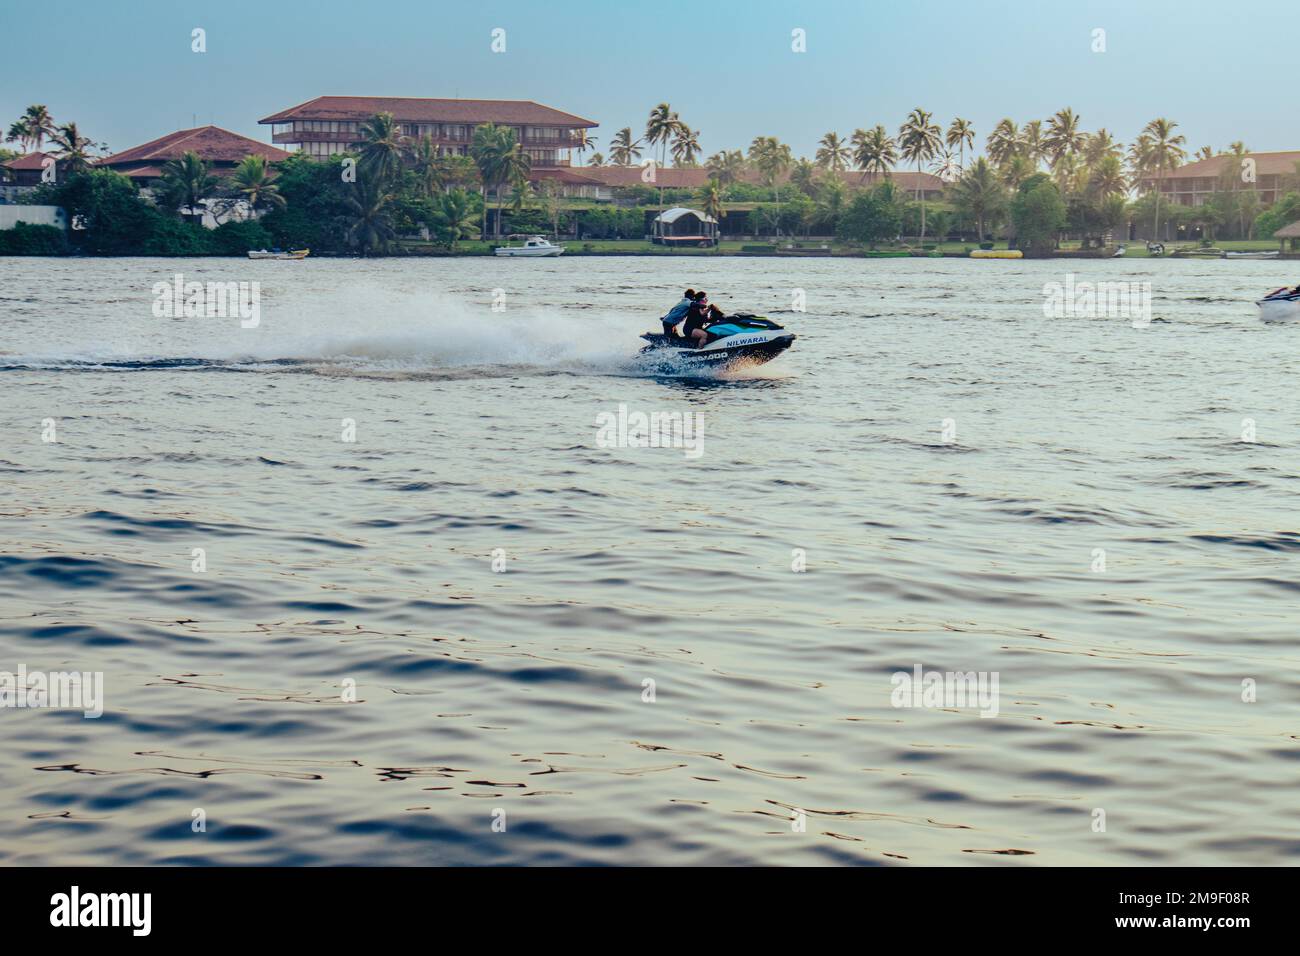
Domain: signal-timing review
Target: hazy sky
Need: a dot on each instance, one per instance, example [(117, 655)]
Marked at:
[(126, 74)]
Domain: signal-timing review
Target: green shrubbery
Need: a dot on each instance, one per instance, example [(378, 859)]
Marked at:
[(29, 239), (238, 238), (114, 220), (1039, 215)]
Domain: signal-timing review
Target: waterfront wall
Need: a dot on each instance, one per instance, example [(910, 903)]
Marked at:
[(32, 215)]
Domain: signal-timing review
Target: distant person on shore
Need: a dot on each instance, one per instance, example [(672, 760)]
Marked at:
[(677, 313)]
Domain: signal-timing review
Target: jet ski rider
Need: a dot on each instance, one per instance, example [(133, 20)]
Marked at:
[(677, 313), (699, 317)]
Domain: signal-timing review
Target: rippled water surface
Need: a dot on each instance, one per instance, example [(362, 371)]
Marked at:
[(521, 697)]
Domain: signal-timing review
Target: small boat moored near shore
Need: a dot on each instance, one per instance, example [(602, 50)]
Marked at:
[(533, 246), (996, 254), (278, 254)]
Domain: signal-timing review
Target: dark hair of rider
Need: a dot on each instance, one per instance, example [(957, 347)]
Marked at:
[(700, 296), (689, 293)]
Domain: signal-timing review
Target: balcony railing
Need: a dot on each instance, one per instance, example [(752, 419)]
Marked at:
[(568, 141), (314, 136)]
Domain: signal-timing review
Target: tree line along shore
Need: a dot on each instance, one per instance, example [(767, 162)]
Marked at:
[(1047, 188)]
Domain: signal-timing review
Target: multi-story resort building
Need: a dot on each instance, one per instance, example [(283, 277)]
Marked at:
[(1193, 183), (332, 124)]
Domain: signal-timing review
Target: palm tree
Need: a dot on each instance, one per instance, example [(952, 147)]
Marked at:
[(20, 132), (918, 142), (961, 134), (597, 159), (1003, 142), (585, 142), (979, 195), (1063, 135), (1161, 152), (1069, 173), (1031, 142), (1015, 170), (1100, 145), (487, 149), (946, 167), (71, 148), (41, 123), (659, 129), (35, 125), (31, 129), (1205, 152), (686, 146), (623, 150), (833, 152), (874, 152), (186, 183), (370, 219), (453, 216), (382, 147), (726, 167), (251, 182), (709, 197), (1107, 178), (428, 166), (803, 177), (830, 199), (772, 159), (514, 169)]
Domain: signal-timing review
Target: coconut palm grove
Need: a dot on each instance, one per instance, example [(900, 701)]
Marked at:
[(928, 186)]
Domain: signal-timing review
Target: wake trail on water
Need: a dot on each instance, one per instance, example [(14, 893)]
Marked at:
[(374, 330)]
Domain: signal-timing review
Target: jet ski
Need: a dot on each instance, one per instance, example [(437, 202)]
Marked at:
[(1280, 305), (739, 339)]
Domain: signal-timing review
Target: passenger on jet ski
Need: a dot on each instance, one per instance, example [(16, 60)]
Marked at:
[(699, 317), (677, 313)]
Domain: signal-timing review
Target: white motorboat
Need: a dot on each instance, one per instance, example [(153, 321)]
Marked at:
[(1251, 255), (277, 254), (533, 246), (1280, 305)]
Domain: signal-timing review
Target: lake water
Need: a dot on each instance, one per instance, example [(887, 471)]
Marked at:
[(1070, 505)]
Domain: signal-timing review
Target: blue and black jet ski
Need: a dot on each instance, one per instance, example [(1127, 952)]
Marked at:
[(738, 340)]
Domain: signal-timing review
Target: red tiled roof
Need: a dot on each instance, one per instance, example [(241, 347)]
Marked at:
[(694, 178), (211, 143), (564, 174), (1266, 164), (28, 161), (143, 172), (412, 109)]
